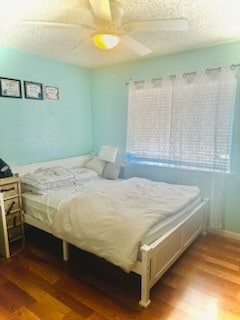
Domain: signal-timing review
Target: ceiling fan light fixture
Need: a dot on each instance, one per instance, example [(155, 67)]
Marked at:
[(105, 41)]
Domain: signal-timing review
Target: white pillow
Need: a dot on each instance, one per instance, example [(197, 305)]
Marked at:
[(96, 164), (112, 170), (29, 188), (45, 179), (83, 174)]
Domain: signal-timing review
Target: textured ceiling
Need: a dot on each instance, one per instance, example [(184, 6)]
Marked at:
[(210, 22)]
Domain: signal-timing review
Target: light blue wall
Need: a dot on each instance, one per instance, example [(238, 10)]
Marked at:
[(34, 131), (110, 99)]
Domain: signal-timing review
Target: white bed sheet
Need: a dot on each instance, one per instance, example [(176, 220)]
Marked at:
[(44, 207)]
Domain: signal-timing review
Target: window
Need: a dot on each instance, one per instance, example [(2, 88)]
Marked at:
[(182, 122)]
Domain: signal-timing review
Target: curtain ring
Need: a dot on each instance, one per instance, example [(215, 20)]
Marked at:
[(233, 66), (207, 71), (189, 74), (172, 77)]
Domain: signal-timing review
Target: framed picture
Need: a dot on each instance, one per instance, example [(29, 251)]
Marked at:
[(10, 88), (33, 90), (51, 93)]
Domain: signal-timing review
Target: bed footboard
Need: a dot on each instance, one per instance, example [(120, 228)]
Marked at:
[(157, 257), (160, 255)]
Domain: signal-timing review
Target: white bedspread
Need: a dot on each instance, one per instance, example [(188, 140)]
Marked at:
[(110, 222)]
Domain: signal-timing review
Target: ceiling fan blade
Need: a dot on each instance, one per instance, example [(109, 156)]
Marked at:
[(56, 24), (157, 25), (101, 9), (117, 12), (135, 46)]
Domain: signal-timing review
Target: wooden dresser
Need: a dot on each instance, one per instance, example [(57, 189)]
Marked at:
[(11, 216)]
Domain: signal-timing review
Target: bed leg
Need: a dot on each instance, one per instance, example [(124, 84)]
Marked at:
[(65, 251), (145, 279), (206, 210)]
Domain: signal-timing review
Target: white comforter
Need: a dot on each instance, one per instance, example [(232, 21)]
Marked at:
[(110, 222)]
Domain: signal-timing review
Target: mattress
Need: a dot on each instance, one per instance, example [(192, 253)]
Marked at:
[(44, 207)]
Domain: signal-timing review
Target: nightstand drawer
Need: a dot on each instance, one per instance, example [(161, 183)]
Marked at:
[(15, 233), (12, 205), (9, 190), (14, 219)]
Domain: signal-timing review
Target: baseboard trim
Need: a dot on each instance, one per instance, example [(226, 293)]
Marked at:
[(224, 233)]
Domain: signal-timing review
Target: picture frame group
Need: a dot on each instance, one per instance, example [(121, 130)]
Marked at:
[(11, 88)]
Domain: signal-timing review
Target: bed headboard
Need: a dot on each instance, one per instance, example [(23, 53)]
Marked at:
[(65, 163)]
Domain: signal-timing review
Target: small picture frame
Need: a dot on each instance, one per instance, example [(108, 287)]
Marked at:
[(33, 90), (51, 93), (10, 88)]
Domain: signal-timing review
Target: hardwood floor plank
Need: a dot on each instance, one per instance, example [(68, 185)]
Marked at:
[(48, 310), (31, 286), (72, 315), (197, 261), (204, 282), (96, 316), (221, 261), (37, 285), (5, 314), (24, 313), (42, 270), (2, 278), (222, 274), (44, 290), (12, 297), (233, 248)]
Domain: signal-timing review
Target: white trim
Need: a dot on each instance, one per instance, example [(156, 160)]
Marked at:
[(225, 233), (66, 163)]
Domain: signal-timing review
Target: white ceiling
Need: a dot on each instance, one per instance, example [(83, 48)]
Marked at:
[(210, 22)]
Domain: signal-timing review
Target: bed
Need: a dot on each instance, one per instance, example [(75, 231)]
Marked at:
[(159, 247)]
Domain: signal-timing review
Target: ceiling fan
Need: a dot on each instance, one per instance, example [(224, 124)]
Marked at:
[(108, 29)]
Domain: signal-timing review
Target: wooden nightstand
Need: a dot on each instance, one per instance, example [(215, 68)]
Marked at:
[(11, 216)]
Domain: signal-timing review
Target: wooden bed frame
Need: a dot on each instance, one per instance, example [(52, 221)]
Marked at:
[(157, 257)]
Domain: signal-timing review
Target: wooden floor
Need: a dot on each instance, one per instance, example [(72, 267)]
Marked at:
[(36, 284)]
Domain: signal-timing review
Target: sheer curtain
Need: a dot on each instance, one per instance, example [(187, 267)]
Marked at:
[(185, 123), (149, 128)]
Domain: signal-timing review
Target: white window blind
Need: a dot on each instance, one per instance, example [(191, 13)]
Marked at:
[(183, 122)]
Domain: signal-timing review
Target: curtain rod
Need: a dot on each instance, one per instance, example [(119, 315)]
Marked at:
[(185, 74)]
